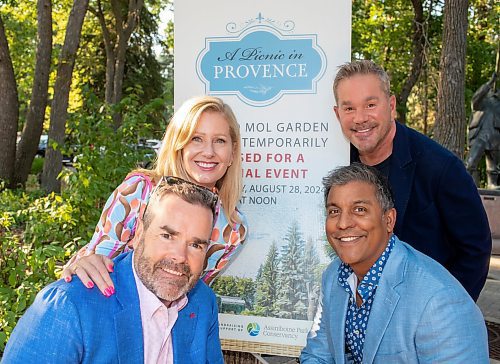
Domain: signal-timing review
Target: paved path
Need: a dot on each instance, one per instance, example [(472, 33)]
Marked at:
[(489, 299)]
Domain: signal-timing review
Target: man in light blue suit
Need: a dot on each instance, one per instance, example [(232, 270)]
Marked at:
[(382, 300), (157, 287)]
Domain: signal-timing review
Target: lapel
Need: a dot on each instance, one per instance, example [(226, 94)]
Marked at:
[(338, 311), (128, 324), (386, 300), (185, 327), (401, 175)]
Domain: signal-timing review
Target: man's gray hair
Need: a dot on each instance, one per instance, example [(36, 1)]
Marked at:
[(358, 172), (187, 191), (362, 67)]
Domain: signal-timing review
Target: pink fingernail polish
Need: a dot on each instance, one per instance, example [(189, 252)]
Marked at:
[(111, 290), (67, 279), (90, 284), (111, 268)]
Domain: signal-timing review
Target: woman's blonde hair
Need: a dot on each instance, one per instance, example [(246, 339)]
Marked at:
[(178, 134)]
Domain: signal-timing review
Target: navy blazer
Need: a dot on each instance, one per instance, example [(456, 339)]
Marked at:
[(420, 314), (439, 210), (69, 323)]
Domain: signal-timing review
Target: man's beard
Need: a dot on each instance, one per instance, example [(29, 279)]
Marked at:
[(153, 277)]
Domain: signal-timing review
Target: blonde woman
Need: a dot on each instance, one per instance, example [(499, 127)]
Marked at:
[(202, 145)]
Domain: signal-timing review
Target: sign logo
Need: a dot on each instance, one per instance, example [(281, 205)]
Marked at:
[(261, 64), (253, 329)]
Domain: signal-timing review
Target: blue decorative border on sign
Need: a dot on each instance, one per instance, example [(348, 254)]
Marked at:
[(260, 65)]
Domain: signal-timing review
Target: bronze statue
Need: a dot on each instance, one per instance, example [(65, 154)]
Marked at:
[(484, 133)]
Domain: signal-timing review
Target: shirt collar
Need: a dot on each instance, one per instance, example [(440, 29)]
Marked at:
[(371, 278)]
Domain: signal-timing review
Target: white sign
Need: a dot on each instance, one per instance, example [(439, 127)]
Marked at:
[(274, 63), (267, 329)]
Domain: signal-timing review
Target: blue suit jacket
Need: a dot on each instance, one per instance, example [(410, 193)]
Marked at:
[(420, 314), (439, 209), (69, 323)]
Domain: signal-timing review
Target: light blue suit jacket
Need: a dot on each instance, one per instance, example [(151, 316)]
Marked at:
[(420, 314), (69, 323)]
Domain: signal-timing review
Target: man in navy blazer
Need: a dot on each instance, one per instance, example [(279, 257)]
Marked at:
[(383, 301), (68, 323), (439, 209)]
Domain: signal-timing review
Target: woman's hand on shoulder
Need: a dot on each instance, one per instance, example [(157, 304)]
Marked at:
[(92, 269)]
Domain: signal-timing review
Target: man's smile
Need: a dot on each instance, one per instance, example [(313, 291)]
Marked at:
[(176, 273)]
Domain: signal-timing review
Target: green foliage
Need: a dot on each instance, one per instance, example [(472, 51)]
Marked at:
[(383, 30), (287, 283), (243, 288), (482, 46), (267, 284), (143, 77), (482, 43), (292, 296), (143, 67), (39, 233), (312, 277), (37, 166), (20, 28), (377, 34), (104, 156), (20, 20), (36, 238)]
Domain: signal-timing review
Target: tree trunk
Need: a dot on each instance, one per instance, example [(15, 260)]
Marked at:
[(417, 62), (109, 48), (426, 102), (9, 110), (451, 122), (116, 49), (53, 157), (28, 144), (118, 78)]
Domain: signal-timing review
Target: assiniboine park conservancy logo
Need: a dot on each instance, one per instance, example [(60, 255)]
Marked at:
[(253, 329)]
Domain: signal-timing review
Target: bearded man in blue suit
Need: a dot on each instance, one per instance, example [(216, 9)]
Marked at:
[(439, 209), (382, 300), (161, 311)]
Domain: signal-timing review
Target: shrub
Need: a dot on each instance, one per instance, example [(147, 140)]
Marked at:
[(33, 236), (39, 233), (37, 165)]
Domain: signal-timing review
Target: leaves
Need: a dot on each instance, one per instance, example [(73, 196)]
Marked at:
[(382, 31), (38, 233)]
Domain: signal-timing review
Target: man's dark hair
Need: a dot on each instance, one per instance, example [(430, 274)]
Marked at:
[(358, 172)]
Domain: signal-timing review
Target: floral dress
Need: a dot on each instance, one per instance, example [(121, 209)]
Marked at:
[(118, 221)]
